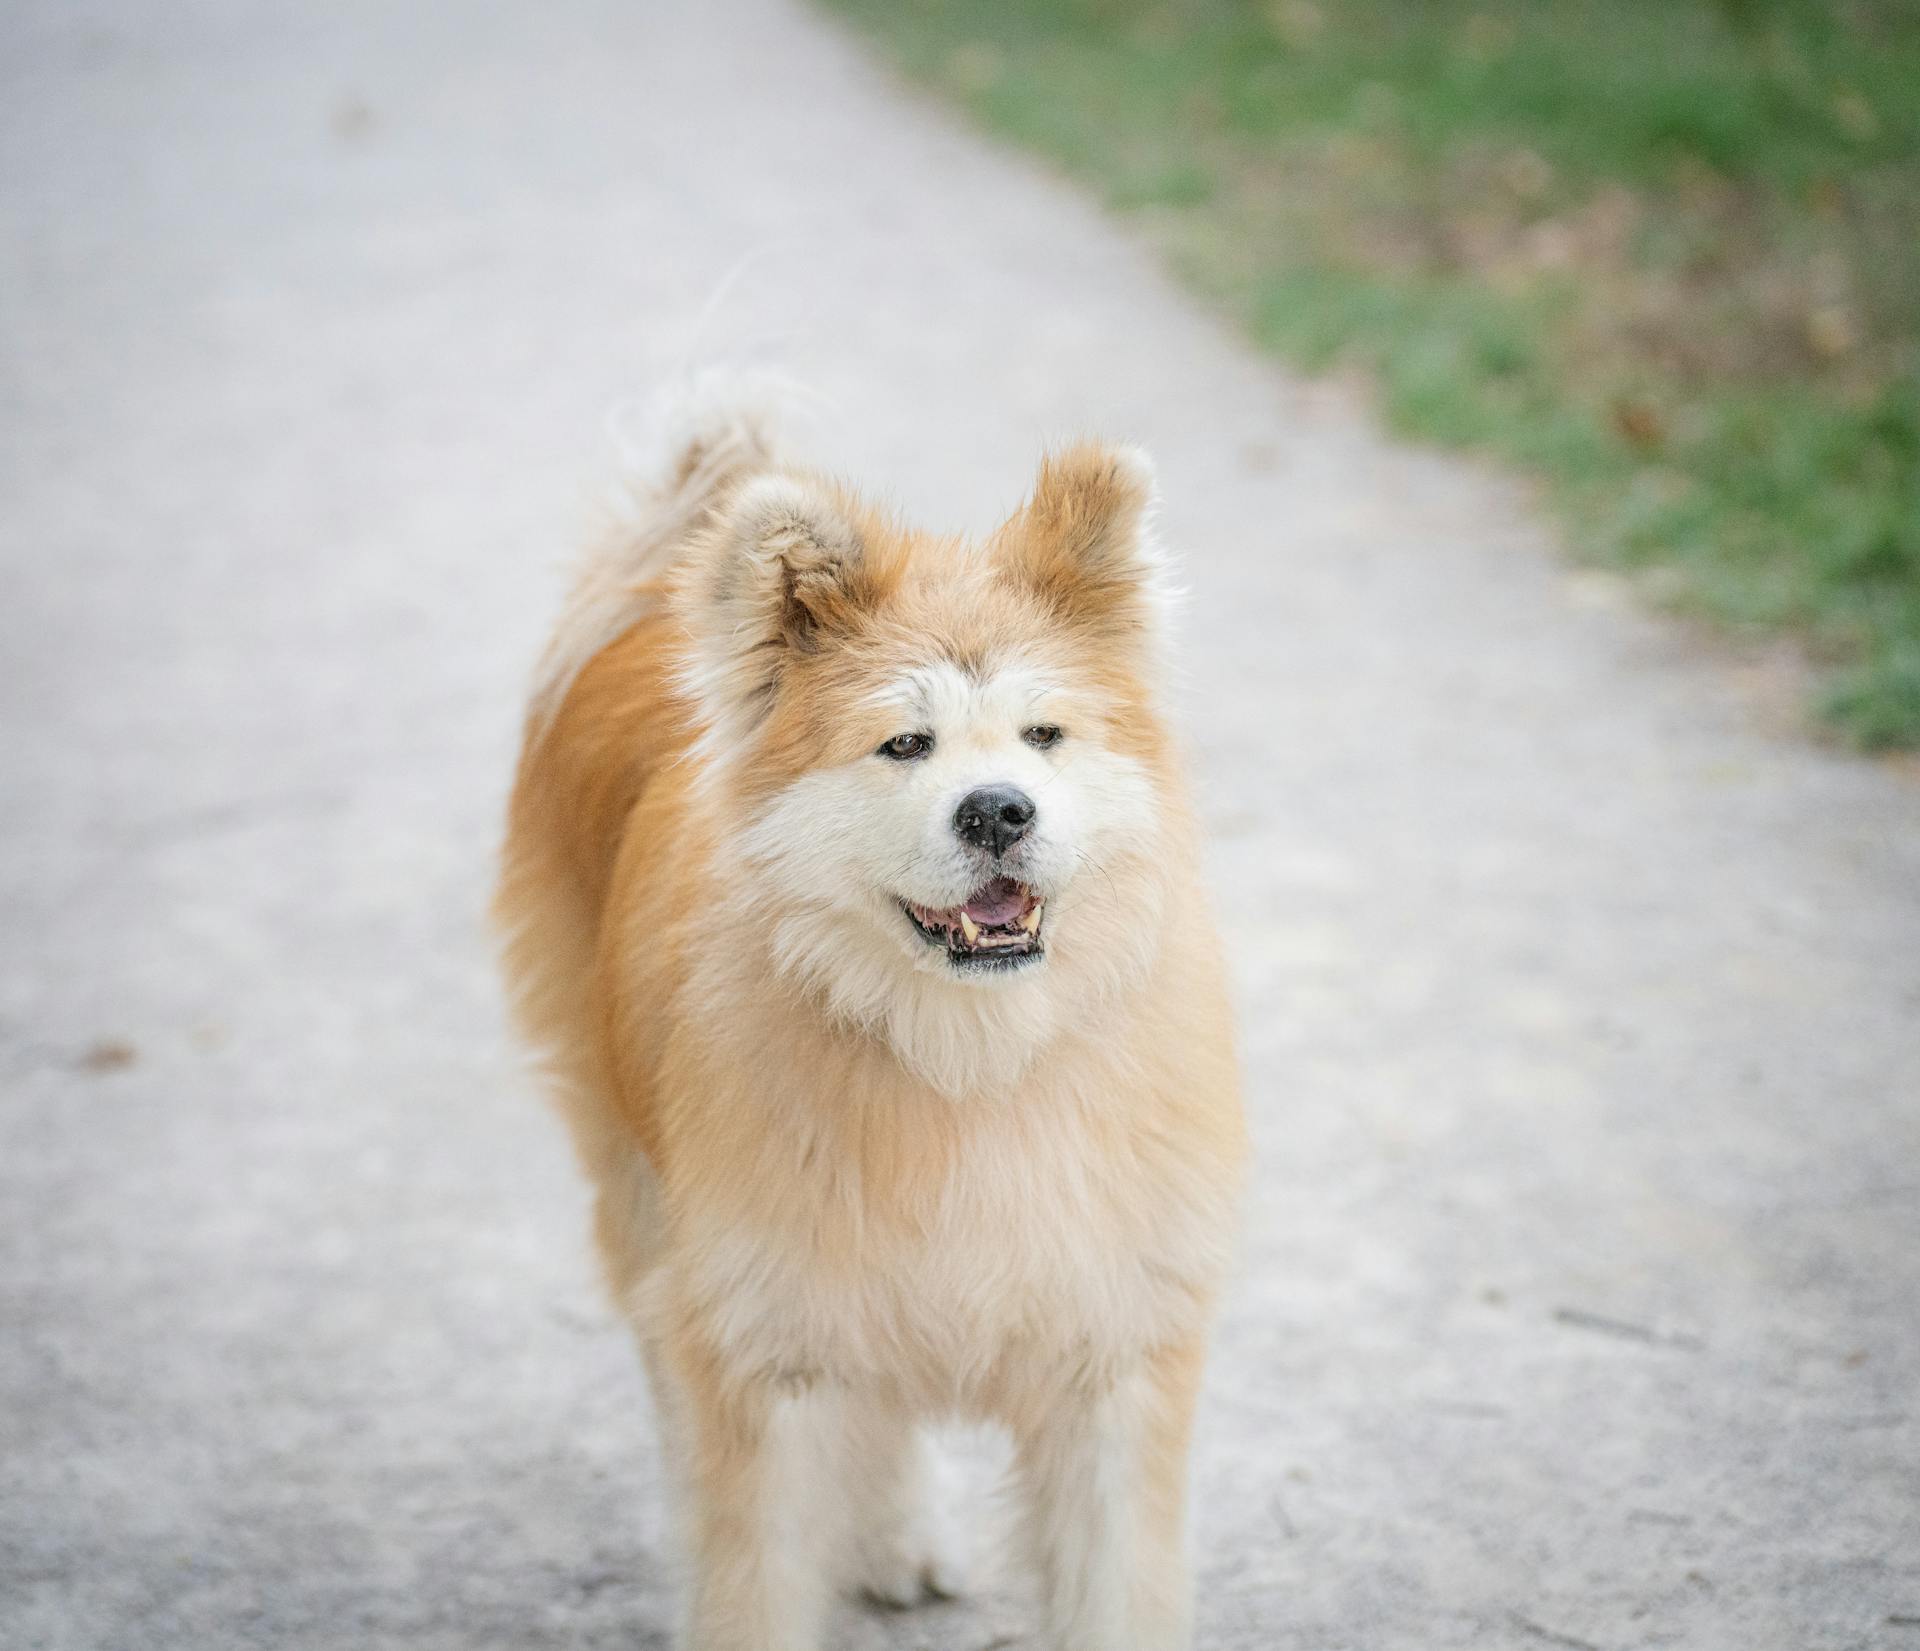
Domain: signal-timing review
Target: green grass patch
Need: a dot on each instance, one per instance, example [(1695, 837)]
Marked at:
[(1665, 254)]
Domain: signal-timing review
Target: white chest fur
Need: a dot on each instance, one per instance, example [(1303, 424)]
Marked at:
[(1054, 1239)]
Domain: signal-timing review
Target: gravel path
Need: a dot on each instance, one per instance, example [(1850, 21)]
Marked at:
[(1581, 1302)]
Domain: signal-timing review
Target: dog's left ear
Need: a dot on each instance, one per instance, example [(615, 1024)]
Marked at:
[(791, 565), (782, 569), (1082, 542)]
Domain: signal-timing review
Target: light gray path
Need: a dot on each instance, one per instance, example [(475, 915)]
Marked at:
[(1582, 1294)]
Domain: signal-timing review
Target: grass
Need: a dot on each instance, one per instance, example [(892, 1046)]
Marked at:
[(1664, 254)]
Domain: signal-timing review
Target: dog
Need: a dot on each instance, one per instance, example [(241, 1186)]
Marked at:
[(851, 893)]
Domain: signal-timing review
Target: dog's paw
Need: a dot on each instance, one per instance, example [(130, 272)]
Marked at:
[(905, 1568)]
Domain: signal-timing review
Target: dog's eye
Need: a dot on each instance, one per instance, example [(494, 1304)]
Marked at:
[(905, 747), (1041, 737)]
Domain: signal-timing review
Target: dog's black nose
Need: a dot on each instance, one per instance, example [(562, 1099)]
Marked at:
[(994, 817)]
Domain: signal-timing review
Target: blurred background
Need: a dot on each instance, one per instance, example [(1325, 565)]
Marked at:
[(1533, 388), (1661, 256)]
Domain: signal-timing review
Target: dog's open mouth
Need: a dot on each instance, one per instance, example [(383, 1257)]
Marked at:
[(998, 927)]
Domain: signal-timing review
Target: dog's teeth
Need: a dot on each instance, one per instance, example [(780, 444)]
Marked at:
[(1031, 922), (970, 929)]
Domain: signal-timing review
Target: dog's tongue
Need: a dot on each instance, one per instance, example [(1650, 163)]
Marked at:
[(1000, 901)]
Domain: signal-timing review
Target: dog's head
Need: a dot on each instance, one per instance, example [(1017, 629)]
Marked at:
[(943, 777)]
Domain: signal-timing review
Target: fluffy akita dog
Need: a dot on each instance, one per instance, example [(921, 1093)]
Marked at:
[(852, 892)]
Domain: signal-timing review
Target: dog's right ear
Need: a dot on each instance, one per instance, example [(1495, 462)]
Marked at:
[(781, 571), (1082, 543)]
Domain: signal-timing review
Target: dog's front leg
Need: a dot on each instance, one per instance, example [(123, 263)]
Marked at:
[(747, 1452), (1105, 1473), (903, 1542)]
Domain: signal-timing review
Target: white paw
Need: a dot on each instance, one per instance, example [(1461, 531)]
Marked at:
[(904, 1568)]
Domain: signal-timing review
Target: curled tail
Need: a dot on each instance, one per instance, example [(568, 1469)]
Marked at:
[(717, 437), (598, 729)]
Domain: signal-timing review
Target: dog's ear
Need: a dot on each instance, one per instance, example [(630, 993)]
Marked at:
[(783, 569), (1082, 541), (790, 564)]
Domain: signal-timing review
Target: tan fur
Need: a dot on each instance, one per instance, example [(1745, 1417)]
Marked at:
[(833, 1214)]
